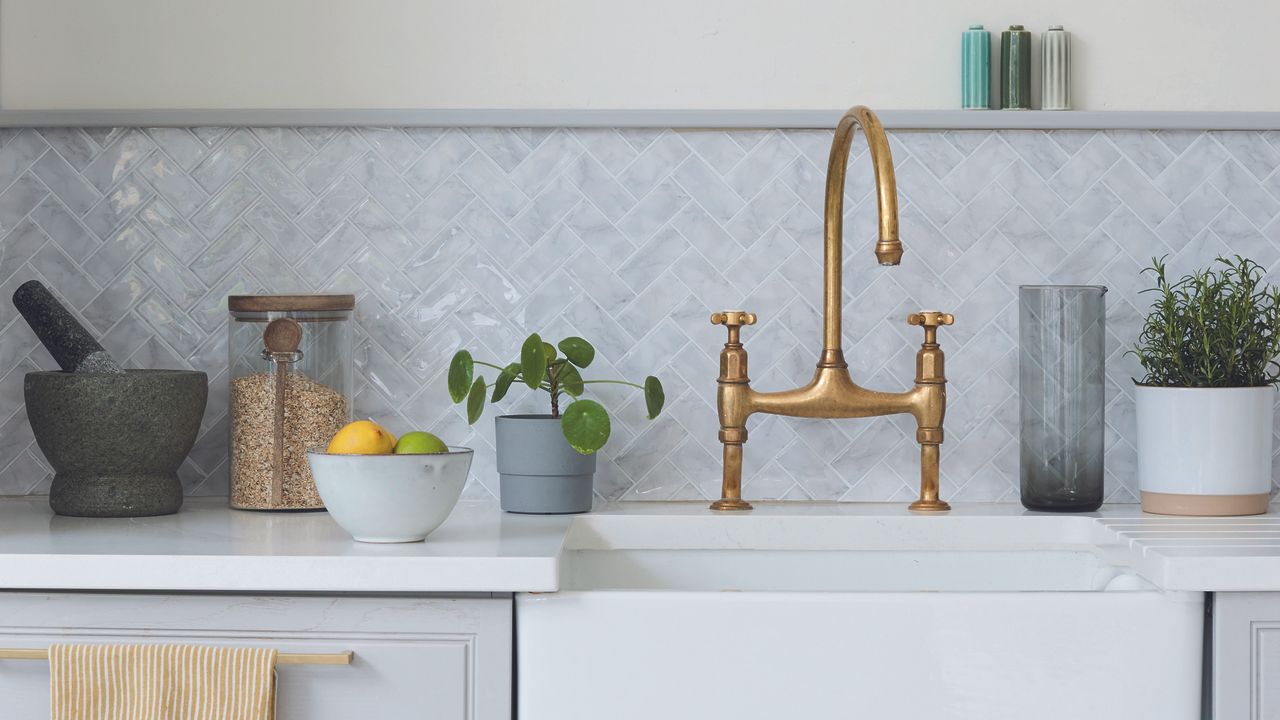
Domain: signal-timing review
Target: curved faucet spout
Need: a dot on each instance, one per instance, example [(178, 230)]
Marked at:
[(889, 246)]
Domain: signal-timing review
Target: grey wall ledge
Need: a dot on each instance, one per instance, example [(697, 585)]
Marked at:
[(895, 119)]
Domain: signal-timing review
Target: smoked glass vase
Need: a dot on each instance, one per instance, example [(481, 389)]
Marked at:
[(1061, 364)]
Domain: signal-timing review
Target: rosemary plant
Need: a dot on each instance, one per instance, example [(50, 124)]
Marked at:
[(1218, 327)]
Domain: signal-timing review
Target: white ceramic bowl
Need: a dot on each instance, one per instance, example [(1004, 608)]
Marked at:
[(390, 498)]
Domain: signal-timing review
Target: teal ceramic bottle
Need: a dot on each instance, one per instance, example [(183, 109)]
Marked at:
[(975, 69), (1015, 68)]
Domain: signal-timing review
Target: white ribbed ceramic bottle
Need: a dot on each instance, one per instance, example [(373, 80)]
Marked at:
[(1055, 69)]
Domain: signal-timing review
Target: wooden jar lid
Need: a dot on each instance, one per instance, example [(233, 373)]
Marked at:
[(290, 303)]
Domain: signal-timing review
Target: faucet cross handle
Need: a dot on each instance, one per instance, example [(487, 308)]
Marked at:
[(733, 317), (930, 320), (733, 320)]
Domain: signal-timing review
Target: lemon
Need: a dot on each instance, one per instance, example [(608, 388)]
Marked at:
[(362, 437), (420, 443)]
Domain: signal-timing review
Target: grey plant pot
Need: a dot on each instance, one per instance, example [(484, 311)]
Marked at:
[(115, 441), (540, 473)]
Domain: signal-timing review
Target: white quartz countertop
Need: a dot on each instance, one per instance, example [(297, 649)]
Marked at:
[(209, 547)]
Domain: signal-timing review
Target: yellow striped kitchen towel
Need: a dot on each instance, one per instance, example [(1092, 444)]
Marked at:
[(161, 682)]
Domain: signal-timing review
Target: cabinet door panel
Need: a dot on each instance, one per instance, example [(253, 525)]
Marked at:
[(1246, 656), (415, 658)]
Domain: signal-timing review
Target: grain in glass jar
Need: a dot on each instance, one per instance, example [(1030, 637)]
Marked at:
[(290, 391)]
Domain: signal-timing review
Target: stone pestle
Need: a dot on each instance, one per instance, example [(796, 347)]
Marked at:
[(70, 344)]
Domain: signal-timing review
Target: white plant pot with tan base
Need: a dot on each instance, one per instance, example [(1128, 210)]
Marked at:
[(1205, 451)]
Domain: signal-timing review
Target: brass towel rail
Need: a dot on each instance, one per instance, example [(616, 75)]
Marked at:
[(338, 658)]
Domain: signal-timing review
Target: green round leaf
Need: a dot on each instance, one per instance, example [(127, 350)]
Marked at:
[(503, 383), (585, 425), (579, 351), (460, 371), (654, 397), (475, 401), (570, 379), (533, 361), (550, 351)]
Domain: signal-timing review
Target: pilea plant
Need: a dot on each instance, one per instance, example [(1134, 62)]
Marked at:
[(1218, 327), (584, 422)]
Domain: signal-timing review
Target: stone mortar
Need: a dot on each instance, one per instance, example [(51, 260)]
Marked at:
[(115, 441)]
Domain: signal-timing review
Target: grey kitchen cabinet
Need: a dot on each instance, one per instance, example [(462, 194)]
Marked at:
[(416, 658), (1246, 656)]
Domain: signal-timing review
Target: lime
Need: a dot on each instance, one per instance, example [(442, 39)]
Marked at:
[(420, 443)]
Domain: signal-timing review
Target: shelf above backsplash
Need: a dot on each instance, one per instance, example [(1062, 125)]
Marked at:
[(497, 117)]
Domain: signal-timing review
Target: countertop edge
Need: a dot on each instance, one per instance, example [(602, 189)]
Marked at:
[(269, 574)]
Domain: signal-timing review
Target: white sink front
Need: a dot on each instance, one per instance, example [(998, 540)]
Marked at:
[(840, 571), (860, 612)]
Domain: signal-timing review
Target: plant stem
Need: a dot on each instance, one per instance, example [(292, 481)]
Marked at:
[(612, 382), (552, 372), (491, 365)]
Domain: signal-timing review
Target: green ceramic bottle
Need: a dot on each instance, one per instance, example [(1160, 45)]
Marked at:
[(975, 69), (1015, 68)]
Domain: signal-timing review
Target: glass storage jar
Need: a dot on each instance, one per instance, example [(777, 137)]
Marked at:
[(290, 390)]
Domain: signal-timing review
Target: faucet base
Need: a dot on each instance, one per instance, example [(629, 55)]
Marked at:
[(929, 506), (731, 505)]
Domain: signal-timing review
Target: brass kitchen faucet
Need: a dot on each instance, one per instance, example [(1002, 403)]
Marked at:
[(832, 393)]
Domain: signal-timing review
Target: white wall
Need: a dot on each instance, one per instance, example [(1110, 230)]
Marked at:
[(777, 54)]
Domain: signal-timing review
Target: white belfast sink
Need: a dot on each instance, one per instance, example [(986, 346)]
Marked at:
[(853, 611)]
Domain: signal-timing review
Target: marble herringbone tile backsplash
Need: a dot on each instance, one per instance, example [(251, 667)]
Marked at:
[(630, 238)]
